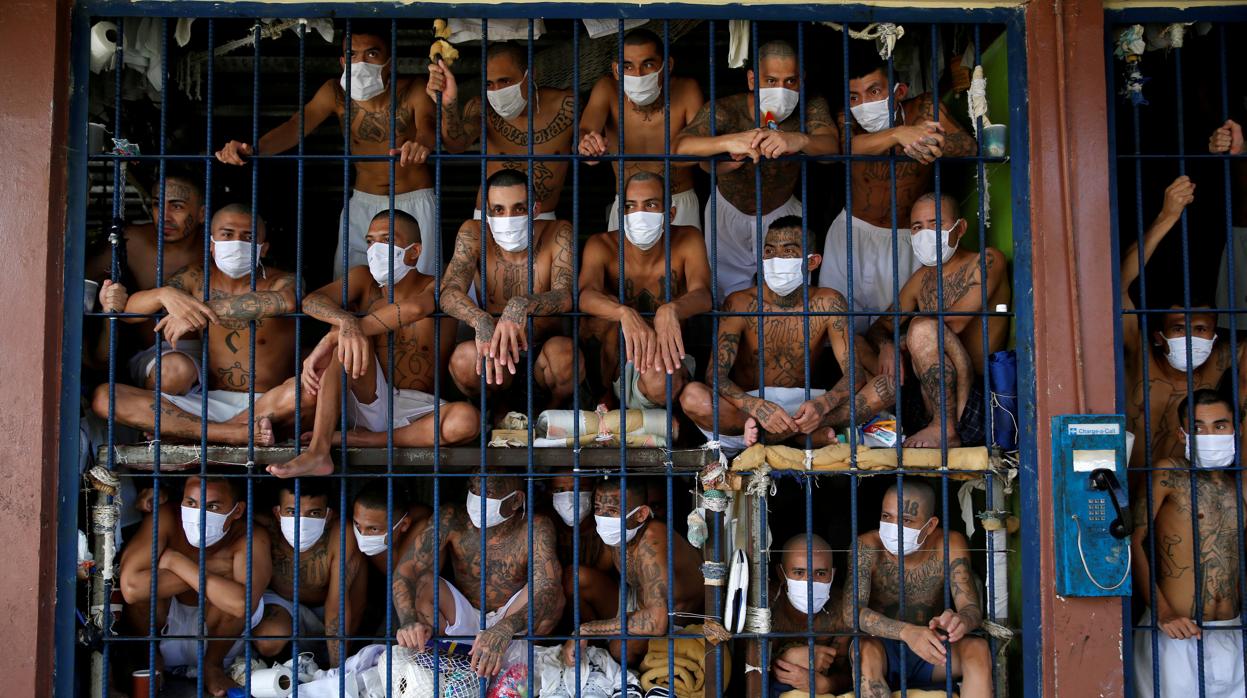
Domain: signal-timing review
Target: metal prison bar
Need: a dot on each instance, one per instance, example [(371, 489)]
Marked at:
[(254, 455), (1129, 148)]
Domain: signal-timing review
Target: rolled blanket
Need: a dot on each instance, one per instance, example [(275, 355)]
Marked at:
[(691, 655)]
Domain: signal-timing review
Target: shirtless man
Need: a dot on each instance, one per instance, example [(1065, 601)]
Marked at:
[(321, 584), (800, 577), (644, 130), (910, 131), (912, 529), (1183, 613), (741, 136), (507, 81), (508, 564), (223, 535), (231, 309), (654, 351), (647, 576), (361, 345), (414, 134), (183, 221), (783, 411), (595, 572), (496, 350), (372, 534), (958, 374), (1227, 139)]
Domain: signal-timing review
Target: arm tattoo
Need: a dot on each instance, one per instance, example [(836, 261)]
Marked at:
[(458, 277), (725, 359), (965, 593), (325, 309)]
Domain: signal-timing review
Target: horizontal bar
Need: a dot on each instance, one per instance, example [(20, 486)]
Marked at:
[(719, 313), (1180, 156), (536, 157)]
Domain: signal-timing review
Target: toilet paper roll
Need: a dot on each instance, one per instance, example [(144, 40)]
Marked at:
[(271, 683), (103, 46)]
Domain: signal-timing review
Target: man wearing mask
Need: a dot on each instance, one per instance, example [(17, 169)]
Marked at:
[(957, 374), (628, 528), (784, 410), (774, 131), (596, 575), (507, 78), (320, 563), (497, 353), (361, 347), (1182, 614), (375, 532), (211, 518), (900, 126), (237, 247), (654, 346), (910, 643), (645, 128), (509, 566), (368, 75)]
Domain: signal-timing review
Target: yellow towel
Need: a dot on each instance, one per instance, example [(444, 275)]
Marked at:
[(691, 657), (912, 693)]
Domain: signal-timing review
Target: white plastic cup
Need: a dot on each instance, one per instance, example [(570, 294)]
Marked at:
[(90, 294), (994, 140)]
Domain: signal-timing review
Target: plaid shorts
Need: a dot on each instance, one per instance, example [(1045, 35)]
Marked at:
[(971, 428)]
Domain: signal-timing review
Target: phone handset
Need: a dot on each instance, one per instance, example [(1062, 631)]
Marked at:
[(1105, 480)]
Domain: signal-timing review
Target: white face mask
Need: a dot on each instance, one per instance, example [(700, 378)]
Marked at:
[(890, 535), (927, 246), (1215, 450), (1201, 349), (643, 89), (493, 510), (310, 531), (799, 589), (643, 228), (508, 101), (373, 545), (564, 505), (873, 116), (610, 528), (214, 526), (233, 257), (366, 81), (783, 275), (510, 232), (779, 101), (379, 262)]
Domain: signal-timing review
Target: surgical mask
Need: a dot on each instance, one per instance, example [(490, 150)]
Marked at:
[(643, 228), (310, 531), (927, 246), (366, 81), (798, 590), (779, 101), (873, 116), (610, 528), (565, 502), (493, 510), (643, 89), (214, 526), (1215, 450), (890, 534), (233, 257), (510, 232), (783, 274), (508, 101), (1201, 349), (373, 545), (379, 262)]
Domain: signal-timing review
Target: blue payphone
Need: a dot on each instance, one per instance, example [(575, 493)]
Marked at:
[(1092, 518)]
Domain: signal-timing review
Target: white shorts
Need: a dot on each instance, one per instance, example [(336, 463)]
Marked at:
[(143, 363), (1178, 662), (409, 406), (737, 234), (184, 620), (223, 405), (311, 620), (788, 398), (872, 265), (1239, 236), (687, 210), (543, 216), (363, 206), (467, 620), (636, 400)]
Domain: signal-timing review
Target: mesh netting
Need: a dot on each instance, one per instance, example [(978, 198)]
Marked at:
[(413, 676)]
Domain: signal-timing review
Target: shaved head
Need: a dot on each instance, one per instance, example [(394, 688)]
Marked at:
[(919, 499)]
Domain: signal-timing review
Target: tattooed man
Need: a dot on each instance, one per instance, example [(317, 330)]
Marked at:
[(227, 319), (1184, 612), (361, 347), (497, 352), (636, 535), (903, 126), (652, 324), (956, 374), (910, 636), (375, 530), (777, 359), (507, 80), (495, 579), (738, 132), (322, 564)]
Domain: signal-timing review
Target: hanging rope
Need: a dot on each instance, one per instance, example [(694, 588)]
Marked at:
[(757, 620), (884, 34), (715, 573)]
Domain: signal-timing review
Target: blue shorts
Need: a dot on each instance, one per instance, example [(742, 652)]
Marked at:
[(917, 670)]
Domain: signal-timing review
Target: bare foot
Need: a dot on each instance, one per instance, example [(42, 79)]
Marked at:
[(751, 432), (305, 464), (264, 432), (929, 437), (216, 682)]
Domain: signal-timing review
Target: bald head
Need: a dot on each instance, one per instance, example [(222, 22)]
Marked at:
[(807, 556), (918, 507), (238, 216)]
